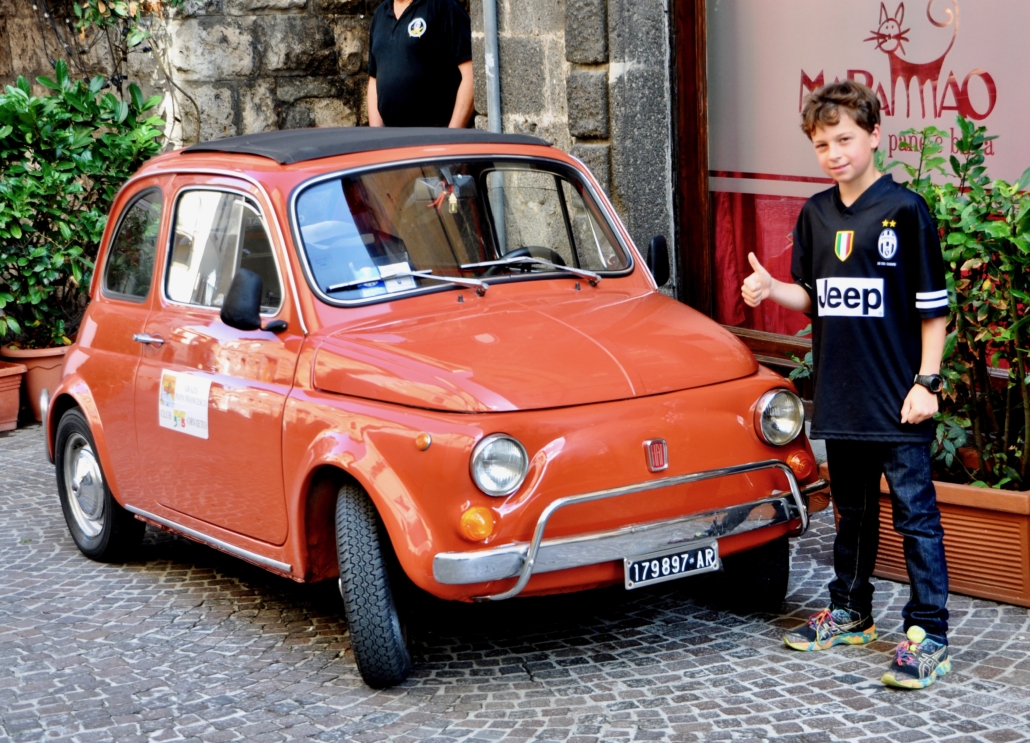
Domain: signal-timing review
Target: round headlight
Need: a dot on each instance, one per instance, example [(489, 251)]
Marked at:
[(779, 417), (499, 464)]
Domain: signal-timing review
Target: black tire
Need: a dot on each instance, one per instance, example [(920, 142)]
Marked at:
[(101, 529), (376, 633), (757, 580)]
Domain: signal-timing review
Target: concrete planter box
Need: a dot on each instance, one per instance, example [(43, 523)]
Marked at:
[(986, 541), (10, 397)]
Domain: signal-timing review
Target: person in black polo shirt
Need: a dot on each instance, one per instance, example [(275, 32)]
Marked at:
[(420, 64), (867, 260)]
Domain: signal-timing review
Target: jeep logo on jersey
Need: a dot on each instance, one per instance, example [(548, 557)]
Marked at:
[(887, 244), (850, 297)]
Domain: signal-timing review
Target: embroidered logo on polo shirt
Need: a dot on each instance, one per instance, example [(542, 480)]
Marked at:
[(843, 244), (416, 28)]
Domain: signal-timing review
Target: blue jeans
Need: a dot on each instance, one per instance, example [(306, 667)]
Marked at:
[(855, 468)]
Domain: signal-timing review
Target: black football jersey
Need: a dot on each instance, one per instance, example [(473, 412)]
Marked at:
[(874, 271)]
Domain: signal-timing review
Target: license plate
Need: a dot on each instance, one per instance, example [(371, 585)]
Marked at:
[(646, 570)]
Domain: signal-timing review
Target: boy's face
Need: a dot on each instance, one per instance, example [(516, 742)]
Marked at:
[(845, 150)]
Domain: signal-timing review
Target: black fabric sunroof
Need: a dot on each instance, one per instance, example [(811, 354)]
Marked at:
[(298, 145)]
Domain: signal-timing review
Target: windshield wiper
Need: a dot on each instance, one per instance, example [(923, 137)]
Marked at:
[(481, 286), (590, 276)]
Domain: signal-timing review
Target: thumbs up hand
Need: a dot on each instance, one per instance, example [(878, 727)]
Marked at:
[(758, 285)]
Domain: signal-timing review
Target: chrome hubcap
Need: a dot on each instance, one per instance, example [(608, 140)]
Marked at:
[(85, 485)]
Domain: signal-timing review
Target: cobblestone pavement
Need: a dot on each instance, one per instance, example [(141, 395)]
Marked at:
[(190, 644)]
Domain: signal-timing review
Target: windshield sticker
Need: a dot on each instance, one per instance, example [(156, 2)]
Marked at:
[(182, 403), (401, 284)]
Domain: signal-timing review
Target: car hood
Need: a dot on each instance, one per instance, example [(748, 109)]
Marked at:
[(498, 354)]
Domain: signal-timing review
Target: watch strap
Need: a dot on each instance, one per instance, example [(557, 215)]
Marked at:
[(932, 382)]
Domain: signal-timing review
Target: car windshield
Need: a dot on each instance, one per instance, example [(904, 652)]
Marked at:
[(384, 232)]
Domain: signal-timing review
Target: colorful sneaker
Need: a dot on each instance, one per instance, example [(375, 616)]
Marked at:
[(918, 661), (832, 627)]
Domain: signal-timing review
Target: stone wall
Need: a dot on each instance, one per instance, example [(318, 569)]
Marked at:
[(590, 76), (255, 65), (226, 67)]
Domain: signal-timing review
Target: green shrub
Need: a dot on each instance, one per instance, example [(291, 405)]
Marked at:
[(985, 235), (63, 158)]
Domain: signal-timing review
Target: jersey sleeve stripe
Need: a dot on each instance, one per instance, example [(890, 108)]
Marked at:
[(933, 304), (931, 295)]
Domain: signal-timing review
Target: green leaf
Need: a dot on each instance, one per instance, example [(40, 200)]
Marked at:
[(61, 70), (135, 36), (997, 229), (950, 343), (15, 231), (1024, 181), (136, 95), (46, 82)]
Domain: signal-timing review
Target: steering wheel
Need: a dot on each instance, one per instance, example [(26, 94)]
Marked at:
[(533, 251)]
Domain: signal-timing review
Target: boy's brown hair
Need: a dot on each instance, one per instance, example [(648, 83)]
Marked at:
[(823, 106)]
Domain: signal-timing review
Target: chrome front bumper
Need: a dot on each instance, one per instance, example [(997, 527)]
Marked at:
[(523, 559)]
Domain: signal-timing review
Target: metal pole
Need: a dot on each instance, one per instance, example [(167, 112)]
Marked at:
[(493, 81)]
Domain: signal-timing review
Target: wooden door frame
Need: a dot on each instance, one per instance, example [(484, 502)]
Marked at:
[(695, 233), (695, 245)]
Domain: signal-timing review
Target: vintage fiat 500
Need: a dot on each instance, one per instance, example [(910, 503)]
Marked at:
[(415, 360)]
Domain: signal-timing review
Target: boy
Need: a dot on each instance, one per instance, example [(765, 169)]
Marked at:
[(867, 260)]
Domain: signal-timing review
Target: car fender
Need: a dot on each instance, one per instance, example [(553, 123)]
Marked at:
[(333, 451), (74, 392)]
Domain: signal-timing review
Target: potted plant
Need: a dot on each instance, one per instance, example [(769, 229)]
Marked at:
[(63, 158), (10, 385), (982, 445)]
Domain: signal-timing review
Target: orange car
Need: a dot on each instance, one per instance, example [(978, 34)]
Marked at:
[(415, 357)]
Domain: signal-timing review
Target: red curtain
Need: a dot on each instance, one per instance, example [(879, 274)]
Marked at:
[(763, 225)]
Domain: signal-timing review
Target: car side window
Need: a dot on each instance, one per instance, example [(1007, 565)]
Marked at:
[(216, 233), (130, 261)]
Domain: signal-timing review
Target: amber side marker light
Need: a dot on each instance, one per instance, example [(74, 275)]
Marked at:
[(801, 464), (423, 440), (477, 523)]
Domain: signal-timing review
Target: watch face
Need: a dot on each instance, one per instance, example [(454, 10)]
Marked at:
[(936, 383)]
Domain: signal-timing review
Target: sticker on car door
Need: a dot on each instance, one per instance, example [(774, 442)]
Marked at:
[(182, 403)]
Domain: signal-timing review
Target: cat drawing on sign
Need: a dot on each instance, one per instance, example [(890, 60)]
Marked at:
[(890, 39)]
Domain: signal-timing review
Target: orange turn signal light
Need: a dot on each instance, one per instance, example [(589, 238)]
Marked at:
[(477, 523), (423, 441), (801, 464)]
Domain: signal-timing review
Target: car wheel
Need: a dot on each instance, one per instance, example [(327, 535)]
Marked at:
[(757, 580), (101, 528), (376, 632)]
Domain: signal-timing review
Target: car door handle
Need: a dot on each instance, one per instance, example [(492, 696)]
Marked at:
[(148, 339)]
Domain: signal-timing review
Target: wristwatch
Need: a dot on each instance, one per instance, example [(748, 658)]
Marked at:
[(932, 382)]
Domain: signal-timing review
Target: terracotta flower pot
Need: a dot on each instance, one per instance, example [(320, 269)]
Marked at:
[(10, 397), (43, 370), (986, 541)]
